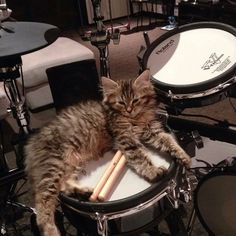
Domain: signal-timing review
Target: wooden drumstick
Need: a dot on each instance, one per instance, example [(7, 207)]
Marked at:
[(105, 176), (111, 180)]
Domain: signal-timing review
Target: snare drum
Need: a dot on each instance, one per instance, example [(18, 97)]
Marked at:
[(133, 206), (193, 65), (215, 200)]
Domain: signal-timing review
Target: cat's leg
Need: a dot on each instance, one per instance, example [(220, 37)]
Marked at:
[(73, 186), (165, 142), (45, 204), (75, 169), (137, 158)]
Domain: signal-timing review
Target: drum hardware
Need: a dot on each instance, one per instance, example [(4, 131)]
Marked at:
[(9, 74), (4, 13), (214, 132), (191, 222), (197, 138), (102, 226), (185, 188), (172, 196), (208, 92), (102, 36), (142, 51), (187, 139), (17, 101), (180, 192)]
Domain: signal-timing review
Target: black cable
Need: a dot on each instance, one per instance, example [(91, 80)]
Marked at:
[(200, 116), (22, 81), (232, 105), (6, 92)]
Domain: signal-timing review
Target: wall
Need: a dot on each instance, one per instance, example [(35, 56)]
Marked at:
[(62, 13), (119, 8)]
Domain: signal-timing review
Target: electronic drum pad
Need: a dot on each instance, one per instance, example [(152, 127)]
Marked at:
[(215, 201)]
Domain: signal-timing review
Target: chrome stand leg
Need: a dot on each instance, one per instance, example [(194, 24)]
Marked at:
[(18, 106), (191, 222), (17, 101)]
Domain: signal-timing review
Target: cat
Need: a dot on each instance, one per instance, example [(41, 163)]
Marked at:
[(124, 120)]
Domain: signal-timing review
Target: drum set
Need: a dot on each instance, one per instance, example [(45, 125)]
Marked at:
[(191, 66)]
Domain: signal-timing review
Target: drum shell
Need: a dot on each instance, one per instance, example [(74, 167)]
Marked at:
[(190, 102), (128, 225), (81, 214)]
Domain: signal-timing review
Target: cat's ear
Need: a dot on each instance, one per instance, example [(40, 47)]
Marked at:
[(108, 84), (143, 79)]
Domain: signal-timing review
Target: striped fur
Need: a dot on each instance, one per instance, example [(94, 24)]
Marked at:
[(125, 120)]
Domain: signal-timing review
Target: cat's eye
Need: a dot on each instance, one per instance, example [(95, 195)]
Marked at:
[(121, 103), (135, 100)]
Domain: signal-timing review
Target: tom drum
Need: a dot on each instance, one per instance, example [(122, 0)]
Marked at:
[(134, 204), (193, 65)]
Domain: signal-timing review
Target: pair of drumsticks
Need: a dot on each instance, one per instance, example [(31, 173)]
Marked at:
[(104, 186)]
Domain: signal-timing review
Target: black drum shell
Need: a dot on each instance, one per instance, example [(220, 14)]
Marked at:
[(81, 221)]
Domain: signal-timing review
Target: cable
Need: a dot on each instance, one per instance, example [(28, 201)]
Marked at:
[(22, 81), (232, 105), (6, 92), (201, 116)]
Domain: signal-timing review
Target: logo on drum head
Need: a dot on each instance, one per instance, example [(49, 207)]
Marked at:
[(165, 47), (213, 60)]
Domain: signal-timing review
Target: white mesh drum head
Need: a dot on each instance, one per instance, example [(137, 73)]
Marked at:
[(193, 56), (129, 182)]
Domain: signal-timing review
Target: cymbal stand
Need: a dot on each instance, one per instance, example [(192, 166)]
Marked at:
[(169, 11), (4, 12), (12, 180), (101, 38), (10, 71)]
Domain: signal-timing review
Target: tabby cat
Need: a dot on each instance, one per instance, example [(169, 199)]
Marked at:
[(125, 120)]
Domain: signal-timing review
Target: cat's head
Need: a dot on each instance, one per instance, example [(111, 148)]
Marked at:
[(129, 97)]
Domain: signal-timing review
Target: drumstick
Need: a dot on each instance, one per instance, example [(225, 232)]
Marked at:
[(105, 176), (112, 178)]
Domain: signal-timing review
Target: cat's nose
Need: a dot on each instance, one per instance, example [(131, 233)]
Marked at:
[(129, 109)]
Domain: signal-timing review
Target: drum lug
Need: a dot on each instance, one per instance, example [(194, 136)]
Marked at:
[(197, 139), (170, 95), (184, 196), (172, 196), (185, 187), (102, 227)]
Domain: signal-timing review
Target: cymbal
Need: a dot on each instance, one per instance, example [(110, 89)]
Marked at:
[(19, 38)]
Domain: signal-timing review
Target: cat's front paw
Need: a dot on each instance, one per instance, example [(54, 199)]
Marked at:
[(78, 190), (184, 159), (154, 173)]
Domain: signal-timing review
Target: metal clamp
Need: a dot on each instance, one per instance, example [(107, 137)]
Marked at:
[(102, 227)]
